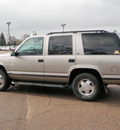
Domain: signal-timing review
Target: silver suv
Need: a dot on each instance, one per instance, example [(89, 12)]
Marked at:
[(87, 60)]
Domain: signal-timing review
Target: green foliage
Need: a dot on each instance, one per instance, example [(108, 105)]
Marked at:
[(14, 43), (2, 40)]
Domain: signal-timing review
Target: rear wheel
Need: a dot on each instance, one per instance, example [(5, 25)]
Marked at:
[(86, 87), (4, 81)]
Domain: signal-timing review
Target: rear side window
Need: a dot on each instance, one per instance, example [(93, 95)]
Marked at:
[(60, 45), (100, 44)]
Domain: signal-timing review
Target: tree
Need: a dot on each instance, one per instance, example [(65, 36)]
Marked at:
[(18, 41), (25, 36), (14, 43), (2, 40), (12, 40)]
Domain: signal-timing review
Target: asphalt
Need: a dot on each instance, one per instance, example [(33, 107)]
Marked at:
[(41, 108)]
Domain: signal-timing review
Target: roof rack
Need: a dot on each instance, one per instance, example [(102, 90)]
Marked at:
[(96, 31)]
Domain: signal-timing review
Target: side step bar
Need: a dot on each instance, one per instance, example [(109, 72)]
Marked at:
[(40, 84)]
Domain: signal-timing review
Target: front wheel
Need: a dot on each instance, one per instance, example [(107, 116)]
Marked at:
[(4, 81), (86, 87)]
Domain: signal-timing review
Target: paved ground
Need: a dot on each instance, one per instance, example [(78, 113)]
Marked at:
[(40, 108)]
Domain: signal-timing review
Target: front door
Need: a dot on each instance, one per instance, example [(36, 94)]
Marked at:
[(28, 65)]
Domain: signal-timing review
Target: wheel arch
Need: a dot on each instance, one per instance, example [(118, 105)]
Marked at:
[(78, 71), (3, 68)]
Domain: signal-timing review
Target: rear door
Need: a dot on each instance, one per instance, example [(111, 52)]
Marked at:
[(60, 58)]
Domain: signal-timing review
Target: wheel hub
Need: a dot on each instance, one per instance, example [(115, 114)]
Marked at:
[(86, 87)]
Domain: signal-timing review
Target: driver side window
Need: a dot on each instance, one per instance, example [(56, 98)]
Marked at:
[(33, 46)]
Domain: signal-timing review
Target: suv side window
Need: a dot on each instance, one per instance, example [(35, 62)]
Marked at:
[(33, 46), (60, 45), (100, 43)]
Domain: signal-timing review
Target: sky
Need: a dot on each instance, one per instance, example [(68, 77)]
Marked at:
[(44, 16)]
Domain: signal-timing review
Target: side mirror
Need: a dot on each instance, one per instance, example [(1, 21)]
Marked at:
[(14, 53)]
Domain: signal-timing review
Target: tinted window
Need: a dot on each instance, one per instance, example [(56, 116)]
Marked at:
[(60, 45), (100, 44), (33, 46)]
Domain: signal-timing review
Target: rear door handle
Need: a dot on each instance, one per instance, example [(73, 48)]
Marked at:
[(71, 60), (40, 60)]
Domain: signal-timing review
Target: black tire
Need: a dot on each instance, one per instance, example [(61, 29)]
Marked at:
[(4, 81), (86, 87)]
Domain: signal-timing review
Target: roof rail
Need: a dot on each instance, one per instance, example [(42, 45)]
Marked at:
[(96, 31)]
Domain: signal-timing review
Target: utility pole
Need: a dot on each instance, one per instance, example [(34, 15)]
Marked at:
[(63, 25), (8, 23)]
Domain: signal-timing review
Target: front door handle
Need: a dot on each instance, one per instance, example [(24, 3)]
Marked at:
[(71, 60), (40, 60)]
